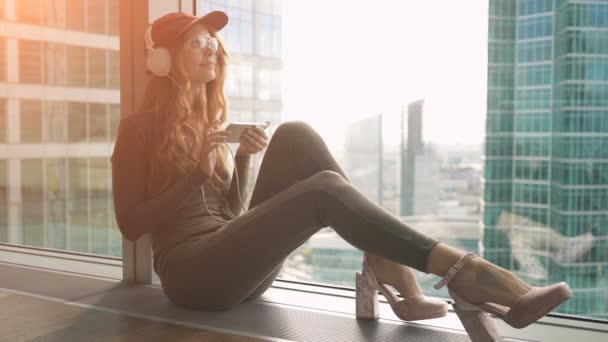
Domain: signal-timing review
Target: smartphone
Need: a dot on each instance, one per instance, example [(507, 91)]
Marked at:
[(237, 128)]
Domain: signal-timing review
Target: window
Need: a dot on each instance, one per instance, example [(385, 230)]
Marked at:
[(113, 22), (114, 69), (3, 122), (55, 172), (114, 119), (97, 68), (268, 16), (54, 13), (78, 205), (31, 121), (77, 73), (98, 122), (3, 201), (54, 61), (55, 121), (238, 35), (96, 16), (240, 81), (30, 58), (33, 202), (76, 14), (269, 84), (101, 203), (77, 122), (3, 77), (28, 11), (65, 93)]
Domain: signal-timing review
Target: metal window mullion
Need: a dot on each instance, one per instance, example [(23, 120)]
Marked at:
[(88, 199)]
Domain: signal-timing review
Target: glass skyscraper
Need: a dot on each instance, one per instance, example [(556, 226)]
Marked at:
[(546, 165), (59, 112)]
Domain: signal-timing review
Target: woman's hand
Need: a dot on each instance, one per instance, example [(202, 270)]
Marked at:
[(253, 140), (213, 139)]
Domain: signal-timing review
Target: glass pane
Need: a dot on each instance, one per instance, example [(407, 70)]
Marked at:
[(30, 56), (28, 11), (101, 205), (78, 205), (32, 193), (97, 68), (96, 16), (63, 90), (3, 201), (31, 121), (98, 122), (2, 59), (77, 122), (55, 121), (3, 122), (55, 198), (501, 154), (76, 60), (75, 14)]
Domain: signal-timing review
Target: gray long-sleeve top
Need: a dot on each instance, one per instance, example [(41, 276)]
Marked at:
[(176, 214)]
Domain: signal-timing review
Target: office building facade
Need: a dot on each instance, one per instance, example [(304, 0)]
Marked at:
[(546, 136)]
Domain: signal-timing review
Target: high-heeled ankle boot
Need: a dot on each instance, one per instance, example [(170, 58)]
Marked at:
[(412, 308), (526, 310)]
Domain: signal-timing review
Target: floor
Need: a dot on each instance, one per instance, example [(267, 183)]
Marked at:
[(28, 318)]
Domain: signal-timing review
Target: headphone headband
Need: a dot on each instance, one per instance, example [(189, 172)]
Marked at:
[(148, 38)]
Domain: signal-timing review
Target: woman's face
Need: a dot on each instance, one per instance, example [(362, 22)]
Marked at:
[(199, 63)]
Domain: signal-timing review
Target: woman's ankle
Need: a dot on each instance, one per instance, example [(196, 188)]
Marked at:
[(481, 281), (442, 257)]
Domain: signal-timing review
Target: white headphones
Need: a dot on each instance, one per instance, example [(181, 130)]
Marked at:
[(158, 59)]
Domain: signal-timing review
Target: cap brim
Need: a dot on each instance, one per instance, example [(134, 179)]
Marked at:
[(215, 20)]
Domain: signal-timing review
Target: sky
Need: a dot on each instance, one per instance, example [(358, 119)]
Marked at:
[(348, 59)]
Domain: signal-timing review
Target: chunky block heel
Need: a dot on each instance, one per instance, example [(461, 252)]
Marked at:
[(479, 325), (413, 308), (366, 298)]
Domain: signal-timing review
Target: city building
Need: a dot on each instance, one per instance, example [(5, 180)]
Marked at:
[(59, 111), (546, 136), (363, 156), (420, 167)]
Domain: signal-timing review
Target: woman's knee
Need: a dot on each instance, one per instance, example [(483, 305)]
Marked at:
[(294, 128), (327, 179)]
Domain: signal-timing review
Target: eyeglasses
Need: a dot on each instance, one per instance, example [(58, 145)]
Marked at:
[(200, 42)]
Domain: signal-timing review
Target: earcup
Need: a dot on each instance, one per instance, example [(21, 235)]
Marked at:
[(158, 61)]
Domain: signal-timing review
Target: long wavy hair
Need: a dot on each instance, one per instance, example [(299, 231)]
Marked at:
[(174, 146)]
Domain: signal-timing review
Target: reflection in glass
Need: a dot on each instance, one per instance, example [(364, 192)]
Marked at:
[(97, 68), (30, 55), (77, 122), (99, 176), (55, 198), (3, 201), (78, 205), (32, 216), (3, 122), (31, 121), (55, 122), (76, 66), (98, 122)]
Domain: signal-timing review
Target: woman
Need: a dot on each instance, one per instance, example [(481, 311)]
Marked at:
[(171, 179)]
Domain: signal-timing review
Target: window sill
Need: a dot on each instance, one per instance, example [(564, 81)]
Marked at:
[(104, 274), (68, 262), (343, 302)]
